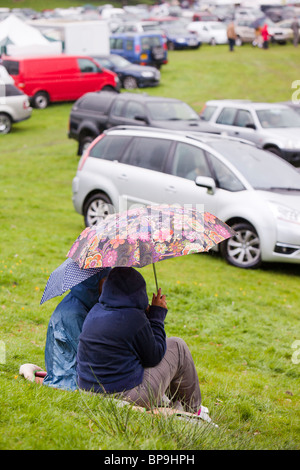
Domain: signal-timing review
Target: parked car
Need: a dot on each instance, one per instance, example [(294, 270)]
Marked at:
[(244, 31), (130, 75), (209, 32), (14, 107), (270, 126), (95, 112), (180, 38), (49, 79), (140, 48), (253, 191), (279, 34), (204, 16)]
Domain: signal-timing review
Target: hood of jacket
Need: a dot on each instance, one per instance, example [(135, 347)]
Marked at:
[(87, 291), (124, 288)]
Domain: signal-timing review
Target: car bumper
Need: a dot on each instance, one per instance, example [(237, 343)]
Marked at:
[(147, 82)]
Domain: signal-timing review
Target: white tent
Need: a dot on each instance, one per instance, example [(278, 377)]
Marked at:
[(20, 38)]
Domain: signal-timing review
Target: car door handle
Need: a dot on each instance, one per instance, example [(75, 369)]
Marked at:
[(171, 189), (123, 176)]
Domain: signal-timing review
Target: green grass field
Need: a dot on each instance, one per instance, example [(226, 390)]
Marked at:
[(241, 325)]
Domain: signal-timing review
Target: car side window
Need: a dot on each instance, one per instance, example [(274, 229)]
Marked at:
[(226, 179), (243, 118), (129, 45), (116, 43), (110, 147), (189, 162), (226, 116), (133, 109), (148, 153), (207, 112), (87, 66), (117, 108)]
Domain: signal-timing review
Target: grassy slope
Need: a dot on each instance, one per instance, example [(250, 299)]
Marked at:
[(240, 325)]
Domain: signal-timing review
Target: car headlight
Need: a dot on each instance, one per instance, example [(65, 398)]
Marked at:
[(282, 212), (147, 74)]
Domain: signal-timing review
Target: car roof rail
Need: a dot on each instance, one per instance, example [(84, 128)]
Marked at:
[(193, 135)]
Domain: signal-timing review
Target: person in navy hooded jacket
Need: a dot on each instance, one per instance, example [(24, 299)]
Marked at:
[(123, 348)]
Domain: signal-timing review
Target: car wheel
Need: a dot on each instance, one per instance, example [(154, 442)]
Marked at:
[(243, 249), (129, 83), (85, 143), (171, 46), (109, 88), (238, 41), (213, 42), (40, 100), (5, 123), (97, 208)]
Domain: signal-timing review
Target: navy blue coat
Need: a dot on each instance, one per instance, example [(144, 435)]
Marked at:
[(118, 339)]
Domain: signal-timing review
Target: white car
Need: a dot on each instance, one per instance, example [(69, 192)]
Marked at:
[(14, 106), (255, 192), (271, 126), (209, 32)]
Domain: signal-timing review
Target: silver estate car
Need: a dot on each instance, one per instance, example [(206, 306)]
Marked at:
[(274, 127), (14, 106), (252, 190)]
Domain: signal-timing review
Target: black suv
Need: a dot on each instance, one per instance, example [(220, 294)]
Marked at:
[(94, 112)]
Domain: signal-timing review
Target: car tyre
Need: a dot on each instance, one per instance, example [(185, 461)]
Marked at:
[(243, 249), (129, 83), (5, 123), (238, 41), (40, 100), (97, 208)]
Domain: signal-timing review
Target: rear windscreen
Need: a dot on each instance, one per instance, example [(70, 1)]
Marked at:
[(12, 66)]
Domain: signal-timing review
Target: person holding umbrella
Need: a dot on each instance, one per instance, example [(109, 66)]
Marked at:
[(123, 349)]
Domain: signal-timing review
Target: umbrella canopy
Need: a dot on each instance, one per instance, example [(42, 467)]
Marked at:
[(142, 236), (66, 276)]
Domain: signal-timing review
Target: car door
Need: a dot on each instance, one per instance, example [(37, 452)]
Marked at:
[(179, 185), (234, 122), (129, 112), (140, 176)]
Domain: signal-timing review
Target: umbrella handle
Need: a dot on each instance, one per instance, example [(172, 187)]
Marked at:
[(154, 271)]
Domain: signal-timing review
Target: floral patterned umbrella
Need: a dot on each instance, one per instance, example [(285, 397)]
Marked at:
[(142, 236)]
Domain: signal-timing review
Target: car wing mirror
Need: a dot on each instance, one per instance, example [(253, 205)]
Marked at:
[(206, 182), (141, 118), (251, 126)]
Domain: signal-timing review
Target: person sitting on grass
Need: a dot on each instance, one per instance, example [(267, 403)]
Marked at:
[(123, 349), (63, 332)]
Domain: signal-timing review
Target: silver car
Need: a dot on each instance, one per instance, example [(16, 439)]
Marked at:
[(254, 191), (14, 106), (273, 127)]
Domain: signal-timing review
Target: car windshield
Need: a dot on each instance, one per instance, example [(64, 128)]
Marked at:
[(263, 170), (278, 118), (167, 111), (119, 61)]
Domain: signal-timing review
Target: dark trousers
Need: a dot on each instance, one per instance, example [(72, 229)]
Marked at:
[(231, 44)]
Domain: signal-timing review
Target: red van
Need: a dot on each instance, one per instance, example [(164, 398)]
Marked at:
[(58, 78)]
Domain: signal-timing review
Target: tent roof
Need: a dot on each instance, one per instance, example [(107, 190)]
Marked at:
[(17, 32)]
